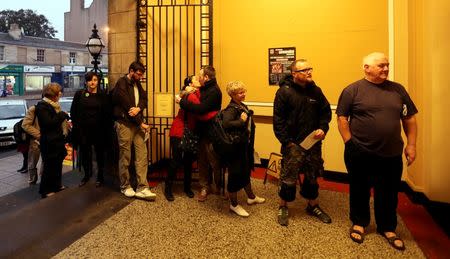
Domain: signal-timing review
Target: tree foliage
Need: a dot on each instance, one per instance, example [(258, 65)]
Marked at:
[(33, 24)]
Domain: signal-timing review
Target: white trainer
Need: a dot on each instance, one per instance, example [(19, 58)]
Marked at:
[(146, 194), (129, 192), (256, 200), (239, 210)]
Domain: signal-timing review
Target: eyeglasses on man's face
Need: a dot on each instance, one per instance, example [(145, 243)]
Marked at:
[(305, 70)]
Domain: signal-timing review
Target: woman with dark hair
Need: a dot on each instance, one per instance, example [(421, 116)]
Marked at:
[(179, 158), (53, 124), (90, 114)]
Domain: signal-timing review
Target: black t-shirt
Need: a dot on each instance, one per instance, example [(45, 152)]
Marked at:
[(375, 111)]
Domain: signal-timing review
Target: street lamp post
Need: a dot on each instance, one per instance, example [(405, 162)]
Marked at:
[(95, 45)]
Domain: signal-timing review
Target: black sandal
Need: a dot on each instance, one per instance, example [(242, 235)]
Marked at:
[(391, 240), (360, 233)]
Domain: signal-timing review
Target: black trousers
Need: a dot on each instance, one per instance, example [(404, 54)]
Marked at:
[(367, 170), (179, 159), (86, 159), (239, 168), (51, 175)]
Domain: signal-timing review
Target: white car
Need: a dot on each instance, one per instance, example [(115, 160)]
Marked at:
[(11, 111), (66, 103)]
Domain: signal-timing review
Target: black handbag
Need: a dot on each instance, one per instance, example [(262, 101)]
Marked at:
[(189, 140)]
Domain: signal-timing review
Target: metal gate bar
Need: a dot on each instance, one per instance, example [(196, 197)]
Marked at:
[(180, 32)]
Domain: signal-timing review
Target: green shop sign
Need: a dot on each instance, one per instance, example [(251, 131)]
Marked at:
[(11, 69)]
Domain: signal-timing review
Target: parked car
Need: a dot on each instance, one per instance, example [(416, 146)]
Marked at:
[(66, 103), (11, 111)]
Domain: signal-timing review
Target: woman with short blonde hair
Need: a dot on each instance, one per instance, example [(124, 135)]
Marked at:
[(234, 87), (238, 122)]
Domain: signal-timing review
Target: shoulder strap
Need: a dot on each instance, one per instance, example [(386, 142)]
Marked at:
[(34, 117), (239, 107)]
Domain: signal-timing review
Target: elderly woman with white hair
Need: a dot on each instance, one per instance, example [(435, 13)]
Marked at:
[(238, 122)]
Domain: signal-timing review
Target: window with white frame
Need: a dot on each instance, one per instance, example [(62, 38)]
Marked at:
[(2, 52), (40, 57), (72, 57)]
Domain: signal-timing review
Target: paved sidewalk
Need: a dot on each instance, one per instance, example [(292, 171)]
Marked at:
[(10, 179)]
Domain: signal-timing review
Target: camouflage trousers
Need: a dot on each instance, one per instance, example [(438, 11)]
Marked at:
[(297, 160)]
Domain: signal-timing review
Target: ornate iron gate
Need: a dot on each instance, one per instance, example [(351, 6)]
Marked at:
[(174, 40)]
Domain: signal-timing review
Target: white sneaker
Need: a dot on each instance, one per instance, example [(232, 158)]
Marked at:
[(146, 194), (256, 200), (239, 210), (129, 192)]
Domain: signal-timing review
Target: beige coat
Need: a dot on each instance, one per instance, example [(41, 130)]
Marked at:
[(28, 125)]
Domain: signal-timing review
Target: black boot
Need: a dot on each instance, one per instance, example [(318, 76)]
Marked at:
[(24, 167), (168, 192), (100, 179), (87, 176), (187, 182), (189, 192), (83, 181)]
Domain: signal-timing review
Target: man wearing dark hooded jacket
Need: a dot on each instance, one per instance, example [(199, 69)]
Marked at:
[(300, 108)]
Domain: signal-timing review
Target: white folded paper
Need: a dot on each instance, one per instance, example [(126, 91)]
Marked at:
[(309, 141), (147, 135)]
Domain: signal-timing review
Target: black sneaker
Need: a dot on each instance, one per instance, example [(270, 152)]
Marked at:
[(317, 212), (283, 216)]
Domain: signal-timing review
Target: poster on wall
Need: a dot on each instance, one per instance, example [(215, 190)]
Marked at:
[(279, 61)]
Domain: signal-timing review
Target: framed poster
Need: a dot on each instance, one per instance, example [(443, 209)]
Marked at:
[(163, 104), (279, 61)]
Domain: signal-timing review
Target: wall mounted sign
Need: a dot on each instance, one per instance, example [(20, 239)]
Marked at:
[(279, 61), (39, 69), (163, 104)]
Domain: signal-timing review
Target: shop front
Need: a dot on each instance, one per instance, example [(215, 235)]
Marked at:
[(73, 77), (36, 77), (11, 80)]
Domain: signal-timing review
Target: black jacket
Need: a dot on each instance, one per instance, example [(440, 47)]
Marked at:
[(91, 117), (239, 129), (210, 100), (52, 142), (123, 100), (297, 111)]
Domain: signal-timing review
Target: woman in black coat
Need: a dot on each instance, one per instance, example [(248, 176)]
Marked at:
[(238, 122), (53, 125), (90, 114)]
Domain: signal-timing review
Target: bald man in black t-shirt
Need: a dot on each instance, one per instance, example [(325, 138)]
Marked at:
[(369, 113)]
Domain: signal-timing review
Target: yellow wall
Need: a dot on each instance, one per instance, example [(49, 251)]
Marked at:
[(428, 60), (332, 35)]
